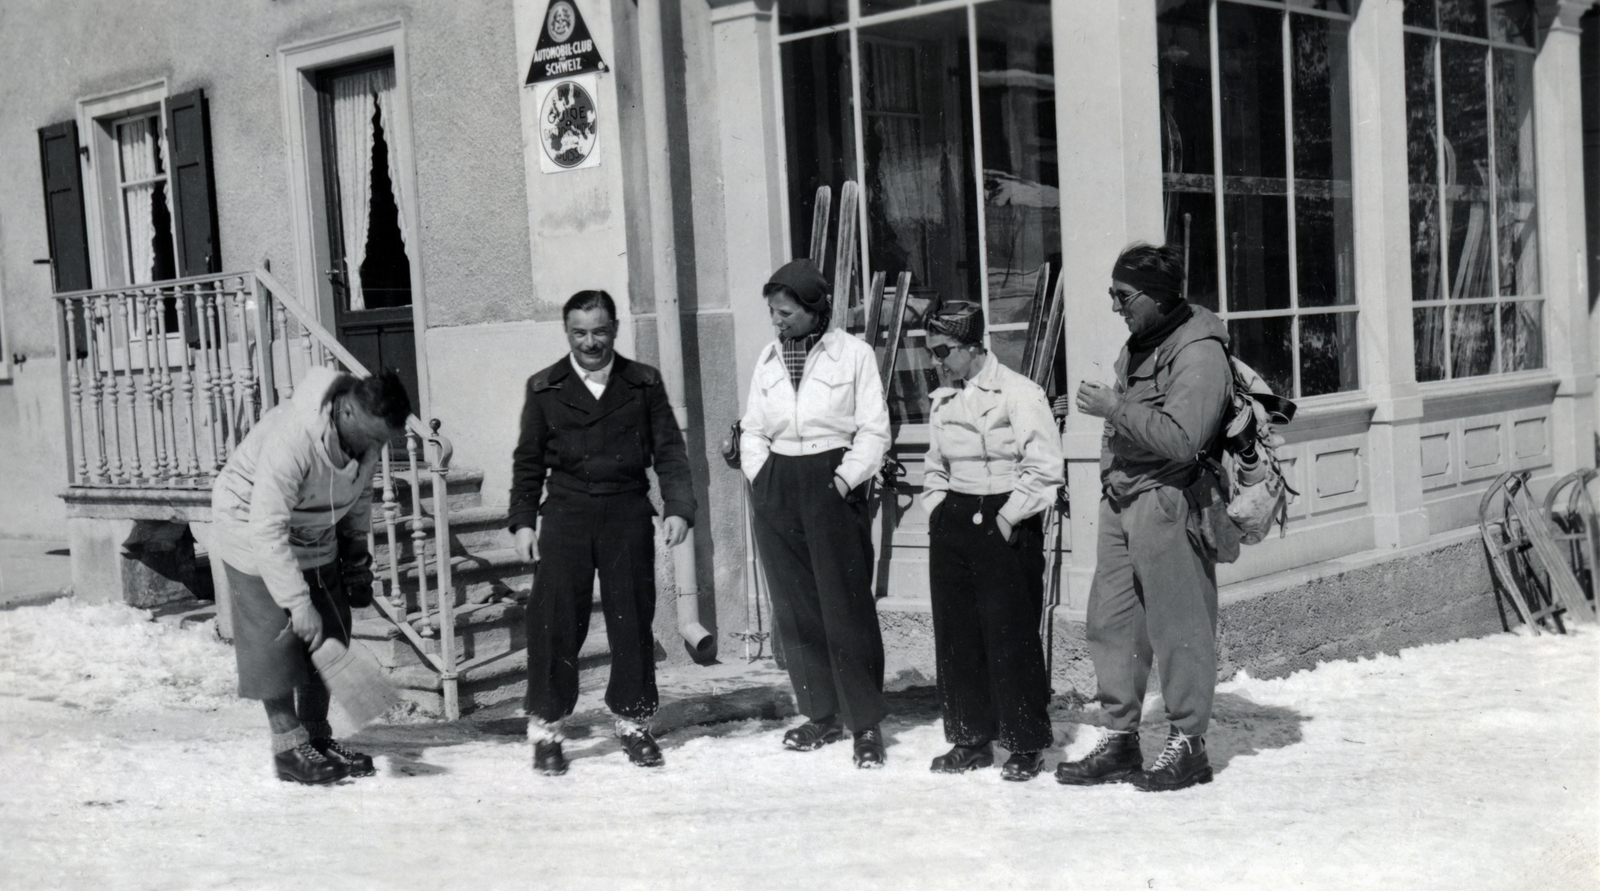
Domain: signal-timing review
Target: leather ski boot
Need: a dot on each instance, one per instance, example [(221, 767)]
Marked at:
[(961, 759), (1114, 759), (1183, 763)]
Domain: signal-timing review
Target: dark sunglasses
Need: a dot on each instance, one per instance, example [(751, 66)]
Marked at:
[(942, 351), (1119, 300)]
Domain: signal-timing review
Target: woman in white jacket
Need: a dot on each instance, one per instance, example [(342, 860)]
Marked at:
[(814, 434), (291, 511), (992, 469)]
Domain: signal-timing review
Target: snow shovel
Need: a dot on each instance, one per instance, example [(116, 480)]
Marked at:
[(355, 681)]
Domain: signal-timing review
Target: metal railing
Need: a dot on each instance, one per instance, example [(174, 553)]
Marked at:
[(162, 381)]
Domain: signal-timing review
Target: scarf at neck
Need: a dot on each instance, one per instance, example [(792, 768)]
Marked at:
[(1141, 345)]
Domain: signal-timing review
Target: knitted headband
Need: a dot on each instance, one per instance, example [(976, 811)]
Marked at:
[(961, 321), (1163, 289)]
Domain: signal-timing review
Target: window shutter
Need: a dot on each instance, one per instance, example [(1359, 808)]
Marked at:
[(194, 206), (63, 206)]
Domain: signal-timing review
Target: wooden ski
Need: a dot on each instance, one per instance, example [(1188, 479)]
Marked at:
[(889, 476), (819, 226), (844, 266)]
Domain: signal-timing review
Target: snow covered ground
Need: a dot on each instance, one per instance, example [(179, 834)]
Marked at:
[(125, 762)]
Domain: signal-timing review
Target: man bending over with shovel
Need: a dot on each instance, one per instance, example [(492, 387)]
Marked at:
[(292, 509)]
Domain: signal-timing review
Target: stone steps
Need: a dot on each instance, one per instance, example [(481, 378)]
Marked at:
[(474, 528), (489, 585)]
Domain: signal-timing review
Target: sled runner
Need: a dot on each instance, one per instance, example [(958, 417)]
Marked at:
[(1574, 525), (1527, 560)]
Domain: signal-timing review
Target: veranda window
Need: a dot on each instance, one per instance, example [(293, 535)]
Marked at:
[(146, 218), (947, 120), (1255, 99), (1474, 227)]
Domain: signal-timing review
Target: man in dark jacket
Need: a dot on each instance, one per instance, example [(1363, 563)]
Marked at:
[(591, 424), (1154, 591)]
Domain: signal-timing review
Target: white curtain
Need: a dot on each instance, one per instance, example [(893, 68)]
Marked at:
[(136, 152), (356, 97)]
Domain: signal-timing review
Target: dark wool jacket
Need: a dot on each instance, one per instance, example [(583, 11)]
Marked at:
[(598, 447), (1168, 411)]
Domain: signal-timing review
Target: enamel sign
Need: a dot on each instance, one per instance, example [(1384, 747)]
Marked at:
[(568, 123), (565, 48)]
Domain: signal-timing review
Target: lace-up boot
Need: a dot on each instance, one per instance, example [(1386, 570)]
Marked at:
[(869, 752), (1183, 763), (358, 764), (304, 764), (1113, 759)]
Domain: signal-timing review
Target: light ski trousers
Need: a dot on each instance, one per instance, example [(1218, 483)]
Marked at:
[(1154, 595)]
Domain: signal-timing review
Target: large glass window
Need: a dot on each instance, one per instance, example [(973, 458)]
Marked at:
[(1474, 227), (947, 121), (1255, 125)]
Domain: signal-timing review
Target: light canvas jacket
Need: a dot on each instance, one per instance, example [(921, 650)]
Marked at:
[(993, 436), (839, 405), (283, 505), (1168, 410)]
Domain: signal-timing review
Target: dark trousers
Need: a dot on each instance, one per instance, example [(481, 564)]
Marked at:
[(1154, 595), (987, 598), (273, 662), (580, 535), (817, 550)]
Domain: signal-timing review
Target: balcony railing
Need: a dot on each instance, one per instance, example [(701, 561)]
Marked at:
[(162, 381)]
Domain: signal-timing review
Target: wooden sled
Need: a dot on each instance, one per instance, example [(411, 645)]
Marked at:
[(1575, 526), (1527, 560)]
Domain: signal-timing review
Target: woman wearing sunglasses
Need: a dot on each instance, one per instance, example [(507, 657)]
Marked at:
[(815, 431), (992, 468)]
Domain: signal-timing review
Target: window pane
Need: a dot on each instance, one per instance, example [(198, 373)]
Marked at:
[(1191, 222), (1324, 230), (873, 7), (1325, 5), (1463, 17), (1512, 21), (922, 207), (818, 126), (1466, 139), (1017, 124), (1419, 13), (1422, 157), (1255, 211), (1266, 345), (1328, 353), (1472, 341), (1008, 346), (1427, 331), (1184, 38), (803, 15), (1522, 334), (146, 217), (1514, 187)]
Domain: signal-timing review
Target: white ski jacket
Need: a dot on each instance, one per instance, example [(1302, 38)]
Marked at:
[(993, 436), (283, 505), (839, 405)]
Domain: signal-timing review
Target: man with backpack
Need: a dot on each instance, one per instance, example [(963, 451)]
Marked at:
[(1154, 593)]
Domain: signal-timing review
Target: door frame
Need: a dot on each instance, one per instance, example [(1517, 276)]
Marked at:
[(298, 65)]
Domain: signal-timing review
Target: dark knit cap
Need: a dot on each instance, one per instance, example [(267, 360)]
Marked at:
[(962, 321), (1156, 271), (803, 280)]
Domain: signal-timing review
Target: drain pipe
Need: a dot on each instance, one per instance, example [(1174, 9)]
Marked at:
[(669, 330)]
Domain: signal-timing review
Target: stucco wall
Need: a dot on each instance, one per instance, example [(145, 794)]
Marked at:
[(465, 77)]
